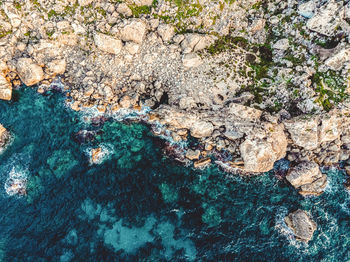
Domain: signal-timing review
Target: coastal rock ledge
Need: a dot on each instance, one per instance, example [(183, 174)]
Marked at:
[(307, 178), (302, 225)]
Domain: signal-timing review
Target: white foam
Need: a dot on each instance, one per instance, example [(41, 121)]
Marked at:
[(106, 151), (16, 183)]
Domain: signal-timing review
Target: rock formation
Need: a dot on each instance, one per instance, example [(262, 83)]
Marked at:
[(301, 224), (307, 178)]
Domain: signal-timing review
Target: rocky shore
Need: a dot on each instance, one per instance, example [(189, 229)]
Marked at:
[(251, 81)]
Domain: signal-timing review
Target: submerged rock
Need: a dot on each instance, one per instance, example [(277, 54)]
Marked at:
[(307, 178), (302, 225)]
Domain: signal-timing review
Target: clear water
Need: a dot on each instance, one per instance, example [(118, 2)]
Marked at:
[(138, 205)]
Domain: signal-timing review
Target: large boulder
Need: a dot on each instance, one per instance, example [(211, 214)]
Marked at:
[(307, 178), (259, 154), (201, 129), (134, 31), (339, 59), (29, 72), (301, 224), (4, 136), (5, 88), (108, 43), (303, 131)]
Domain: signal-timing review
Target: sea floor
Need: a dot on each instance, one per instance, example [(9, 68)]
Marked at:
[(138, 205)]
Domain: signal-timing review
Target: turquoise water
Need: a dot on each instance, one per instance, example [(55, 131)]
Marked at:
[(138, 205)]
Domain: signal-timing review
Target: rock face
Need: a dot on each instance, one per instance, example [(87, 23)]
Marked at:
[(4, 136), (307, 178), (302, 225), (29, 72), (5, 88), (108, 43)]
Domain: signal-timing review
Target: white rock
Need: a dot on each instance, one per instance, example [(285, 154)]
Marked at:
[(166, 32), (108, 43), (85, 2), (135, 31), (132, 47), (191, 60), (282, 44), (307, 9), (124, 10)]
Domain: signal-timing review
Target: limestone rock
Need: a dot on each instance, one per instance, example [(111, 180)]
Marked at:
[(191, 60), (166, 32), (202, 163), (338, 60), (307, 178), (124, 9), (307, 9), (85, 2), (193, 154), (108, 43), (5, 88), (330, 128), (135, 31), (196, 42), (201, 129), (302, 225), (29, 72), (244, 112), (4, 136), (57, 66), (260, 154), (303, 131), (282, 44), (326, 20)]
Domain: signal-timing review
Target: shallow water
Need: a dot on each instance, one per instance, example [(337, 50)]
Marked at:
[(137, 205)]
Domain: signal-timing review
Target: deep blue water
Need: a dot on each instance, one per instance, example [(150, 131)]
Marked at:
[(138, 205)]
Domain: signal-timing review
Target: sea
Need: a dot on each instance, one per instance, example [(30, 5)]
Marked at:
[(138, 204)]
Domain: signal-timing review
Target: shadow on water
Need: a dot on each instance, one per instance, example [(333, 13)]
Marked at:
[(137, 204)]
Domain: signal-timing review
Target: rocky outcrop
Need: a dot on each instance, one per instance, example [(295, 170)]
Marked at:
[(301, 224), (4, 136), (29, 72), (134, 31), (307, 178), (5, 88)]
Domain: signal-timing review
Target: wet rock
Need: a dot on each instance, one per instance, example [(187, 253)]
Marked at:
[(108, 43), (202, 163), (5, 88), (96, 155), (4, 136), (303, 131), (302, 225), (135, 31), (307, 178), (29, 72), (193, 154)]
